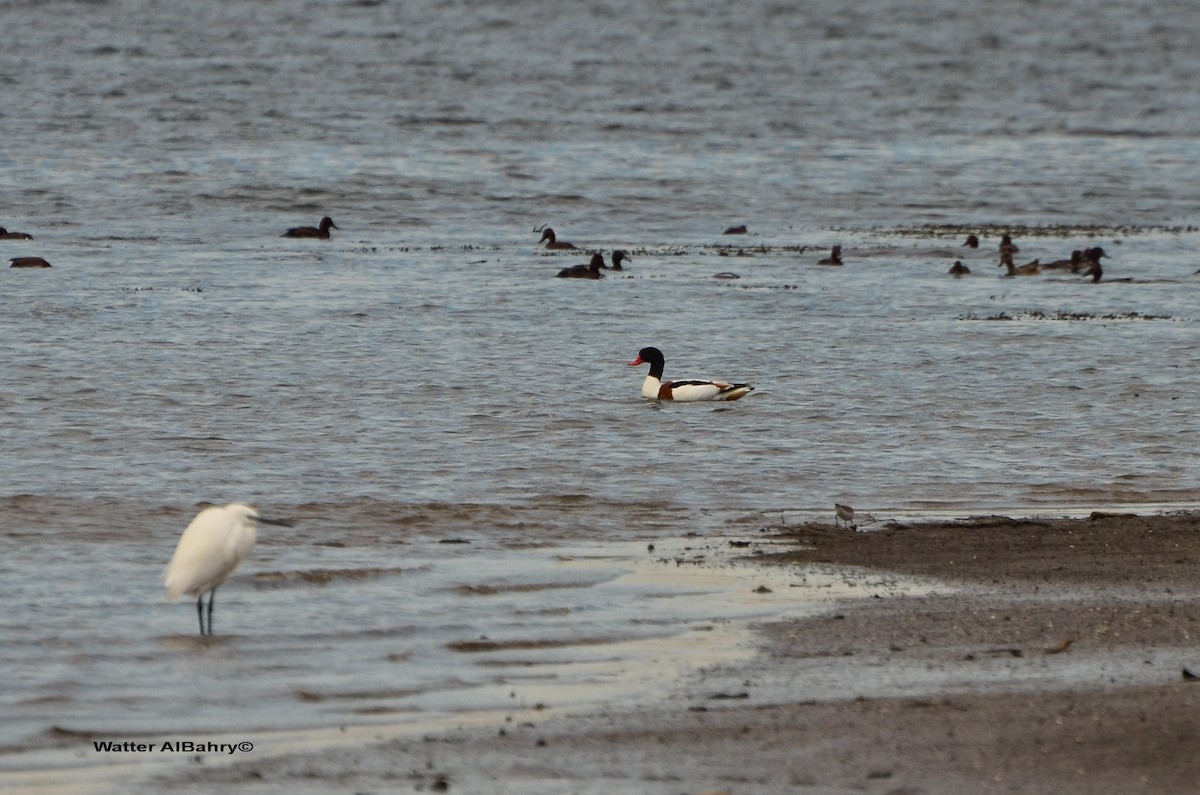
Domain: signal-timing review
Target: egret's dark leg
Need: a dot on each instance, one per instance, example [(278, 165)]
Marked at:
[(212, 595), (200, 611)]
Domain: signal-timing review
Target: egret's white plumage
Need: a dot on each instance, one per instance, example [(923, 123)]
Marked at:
[(211, 547)]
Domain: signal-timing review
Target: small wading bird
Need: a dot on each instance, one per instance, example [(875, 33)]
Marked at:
[(551, 241), (321, 232), (844, 513), (684, 390), (211, 547)]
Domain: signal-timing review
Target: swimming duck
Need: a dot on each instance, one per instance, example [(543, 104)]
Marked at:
[(958, 269), (686, 390), (740, 229), (7, 235), (554, 242), (1028, 269), (618, 257), (972, 241), (1094, 254), (28, 262), (834, 258), (589, 271), (1074, 263), (321, 231)]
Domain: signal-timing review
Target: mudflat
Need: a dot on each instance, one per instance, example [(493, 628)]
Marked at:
[(1056, 656)]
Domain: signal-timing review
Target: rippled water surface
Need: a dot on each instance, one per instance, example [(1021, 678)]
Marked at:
[(422, 377)]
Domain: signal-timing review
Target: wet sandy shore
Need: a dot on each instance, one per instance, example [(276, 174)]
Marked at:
[(1056, 664)]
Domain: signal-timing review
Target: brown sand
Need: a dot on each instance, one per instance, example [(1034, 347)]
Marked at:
[(1057, 666)]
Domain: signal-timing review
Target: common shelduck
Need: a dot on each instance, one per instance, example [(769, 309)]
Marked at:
[(552, 241), (687, 390), (589, 271), (321, 232)]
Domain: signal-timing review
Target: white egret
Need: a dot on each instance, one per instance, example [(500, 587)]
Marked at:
[(211, 547)]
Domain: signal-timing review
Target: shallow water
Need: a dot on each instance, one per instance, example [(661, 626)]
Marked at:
[(421, 377)]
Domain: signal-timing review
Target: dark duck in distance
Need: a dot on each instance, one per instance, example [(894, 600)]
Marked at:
[(972, 241), (552, 241), (7, 235), (1028, 269), (320, 232), (1074, 263), (589, 271), (834, 258), (1091, 259), (618, 257), (958, 269), (28, 262), (689, 390)]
